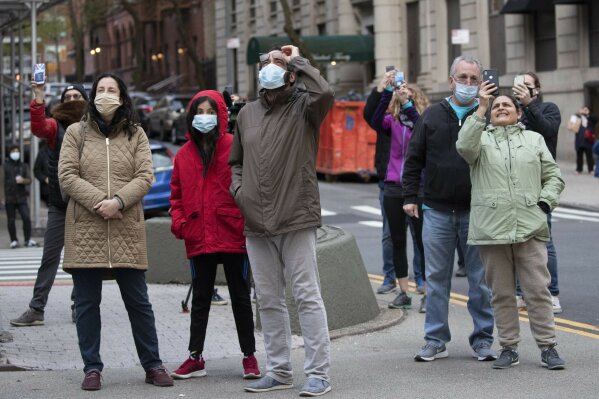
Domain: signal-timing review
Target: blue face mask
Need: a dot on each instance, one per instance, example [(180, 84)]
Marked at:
[(204, 123), (272, 77), (464, 93)]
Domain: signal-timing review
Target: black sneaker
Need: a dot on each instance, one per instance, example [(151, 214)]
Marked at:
[(401, 301), (217, 299), (461, 272), (507, 359), (551, 360)]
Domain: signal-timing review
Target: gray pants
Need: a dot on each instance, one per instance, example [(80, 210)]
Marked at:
[(53, 244), (290, 257)]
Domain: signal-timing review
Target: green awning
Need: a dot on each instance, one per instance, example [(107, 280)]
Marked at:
[(346, 48)]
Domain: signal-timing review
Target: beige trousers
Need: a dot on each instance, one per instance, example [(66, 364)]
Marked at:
[(526, 261)]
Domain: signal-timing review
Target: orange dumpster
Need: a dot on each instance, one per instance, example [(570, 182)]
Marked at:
[(347, 143)]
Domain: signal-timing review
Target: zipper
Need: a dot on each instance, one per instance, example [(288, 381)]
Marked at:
[(109, 195)]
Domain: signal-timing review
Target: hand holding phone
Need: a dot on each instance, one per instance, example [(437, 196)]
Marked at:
[(518, 80), (39, 74), (492, 75), (399, 78)]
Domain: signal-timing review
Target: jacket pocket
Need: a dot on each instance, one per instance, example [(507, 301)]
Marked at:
[(229, 224), (486, 222)]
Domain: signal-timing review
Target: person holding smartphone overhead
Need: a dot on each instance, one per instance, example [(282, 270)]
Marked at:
[(544, 118)]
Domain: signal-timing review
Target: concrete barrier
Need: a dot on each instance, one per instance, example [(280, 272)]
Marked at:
[(345, 286)]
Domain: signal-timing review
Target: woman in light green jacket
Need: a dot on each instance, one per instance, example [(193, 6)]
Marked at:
[(515, 183)]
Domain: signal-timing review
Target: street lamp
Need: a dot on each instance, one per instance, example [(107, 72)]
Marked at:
[(95, 51)]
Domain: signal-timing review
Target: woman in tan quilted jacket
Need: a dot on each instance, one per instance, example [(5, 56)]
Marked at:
[(106, 169)]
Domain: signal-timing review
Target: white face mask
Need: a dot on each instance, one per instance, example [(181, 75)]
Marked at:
[(204, 123), (272, 77), (107, 103), (15, 156)]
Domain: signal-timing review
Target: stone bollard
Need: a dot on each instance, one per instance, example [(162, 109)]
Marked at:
[(344, 282)]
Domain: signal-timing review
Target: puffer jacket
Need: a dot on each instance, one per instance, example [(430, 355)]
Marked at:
[(203, 212), (511, 170), (108, 167), (273, 157)]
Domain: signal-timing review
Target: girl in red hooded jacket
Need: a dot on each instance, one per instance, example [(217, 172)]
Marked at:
[(206, 217)]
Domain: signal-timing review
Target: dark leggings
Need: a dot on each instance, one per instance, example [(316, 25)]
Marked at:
[(11, 216), (237, 274), (397, 225)]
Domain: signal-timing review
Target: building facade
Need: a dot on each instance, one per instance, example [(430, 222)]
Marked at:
[(560, 42)]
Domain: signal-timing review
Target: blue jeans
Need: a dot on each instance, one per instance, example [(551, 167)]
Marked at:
[(551, 264), (387, 244), (440, 235), (134, 291)]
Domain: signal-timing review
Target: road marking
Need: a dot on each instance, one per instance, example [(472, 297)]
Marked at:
[(576, 212), (371, 223), (459, 299), (573, 217), (325, 212), (368, 209), (20, 265)]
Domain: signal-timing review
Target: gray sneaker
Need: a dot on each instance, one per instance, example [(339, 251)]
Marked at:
[(483, 352), (31, 317), (385, 288), (551, 360), (507, 359), (401, 301), (422, 308), (430, 352), (315, 387), (266, 384)]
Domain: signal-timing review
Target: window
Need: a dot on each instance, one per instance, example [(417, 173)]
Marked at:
[(593, 13), (545, 45), (453, 22), (413, 42), (322, 29), (497, 36)]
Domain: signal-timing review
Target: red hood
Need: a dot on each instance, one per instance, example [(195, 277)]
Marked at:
[(221, 109)]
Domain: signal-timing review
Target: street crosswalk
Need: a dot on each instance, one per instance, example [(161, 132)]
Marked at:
[(21, 265)]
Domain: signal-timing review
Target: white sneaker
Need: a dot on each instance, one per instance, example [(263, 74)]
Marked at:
[(31, 243), (557, 308), (520, 303), (14, 244)]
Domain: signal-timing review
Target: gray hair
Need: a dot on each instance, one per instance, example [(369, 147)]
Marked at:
[(467, 58)]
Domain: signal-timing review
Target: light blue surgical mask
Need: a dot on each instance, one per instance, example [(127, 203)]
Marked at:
[(465, 93), (272, 77), (204, 123), (15, 156)]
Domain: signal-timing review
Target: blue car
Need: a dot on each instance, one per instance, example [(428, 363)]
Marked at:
[(160, 192)]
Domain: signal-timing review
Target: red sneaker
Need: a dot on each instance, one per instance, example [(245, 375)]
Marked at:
[(250, 368), (190, 368)]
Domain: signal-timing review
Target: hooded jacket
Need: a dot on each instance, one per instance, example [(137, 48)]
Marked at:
[(108, 166), (274, 155), (203, 212), (512, 171)]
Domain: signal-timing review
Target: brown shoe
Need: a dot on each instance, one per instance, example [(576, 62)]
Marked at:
[(159, 377), (92, 380)]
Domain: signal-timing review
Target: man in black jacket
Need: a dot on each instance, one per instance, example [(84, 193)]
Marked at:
[(543, 118), (446, 212)]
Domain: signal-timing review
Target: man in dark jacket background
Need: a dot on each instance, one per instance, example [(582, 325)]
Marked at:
[(73, 102), (543, 118), (273, 160), (446, 212)]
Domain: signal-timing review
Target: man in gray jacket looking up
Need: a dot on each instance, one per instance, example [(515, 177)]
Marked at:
[(274, 183)]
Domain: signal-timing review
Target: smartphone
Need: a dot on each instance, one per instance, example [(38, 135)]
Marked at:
[(389, 68), (518, 80), (399, 78), (39, 74), (492, 75)]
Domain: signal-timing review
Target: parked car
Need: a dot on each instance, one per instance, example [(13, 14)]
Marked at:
[(159, 195), (179, 129), (165, 112), (144, 104)]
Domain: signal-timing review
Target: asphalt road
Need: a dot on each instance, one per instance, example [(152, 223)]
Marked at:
[(355, 207)]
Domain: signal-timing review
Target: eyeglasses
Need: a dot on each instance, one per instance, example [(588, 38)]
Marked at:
[(73, 97), (464, 80)]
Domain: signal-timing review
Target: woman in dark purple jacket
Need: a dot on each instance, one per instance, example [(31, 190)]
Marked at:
[(404, 104)]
